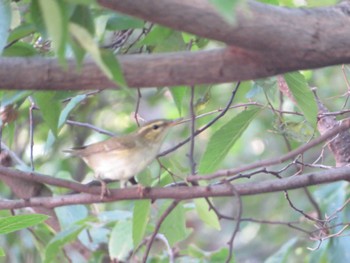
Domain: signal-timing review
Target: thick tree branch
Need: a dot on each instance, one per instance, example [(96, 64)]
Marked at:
[(158, 70), (258, 26), (184, 193), (267, 40)]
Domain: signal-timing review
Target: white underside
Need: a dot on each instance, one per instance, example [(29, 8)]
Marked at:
[(116, 166)]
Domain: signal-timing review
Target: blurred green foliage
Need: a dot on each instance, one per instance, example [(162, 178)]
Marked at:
[(74, 29)]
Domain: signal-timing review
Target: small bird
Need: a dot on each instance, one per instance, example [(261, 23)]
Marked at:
[(121, 158)]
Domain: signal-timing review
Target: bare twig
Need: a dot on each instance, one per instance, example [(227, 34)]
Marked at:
[(224, 173), (90, 126), (222, 113), (159, 223), (136, 114), (31, 130), (238, 219), (192, 137)]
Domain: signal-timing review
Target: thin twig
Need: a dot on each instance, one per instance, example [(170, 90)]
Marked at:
[(90, 126), (136, 114), (238, 219), (224, 173), (155, 232), (192, 137), (207, 125), (31, 130)]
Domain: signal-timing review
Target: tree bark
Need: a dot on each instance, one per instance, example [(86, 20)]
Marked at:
[(265, 41)]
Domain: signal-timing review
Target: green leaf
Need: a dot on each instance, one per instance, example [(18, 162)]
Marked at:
[(178, 93), (120, 243), (18, 222), (223, 139), (49, 108), (114, 67), (174, 226), (282, 253), (5, 22), (20, 32), (140, 220), (221, 256), (207, 215), (56, 24), (303, 95), (105, 60), (54, 247), (70, 215), (163, 39), (2, 252), (11, 97), (226, 8), (37, 18), (69, 107), (20, 49), (121, 22), (83, 17)]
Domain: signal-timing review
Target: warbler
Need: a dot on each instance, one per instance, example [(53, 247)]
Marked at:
[(121, 158)]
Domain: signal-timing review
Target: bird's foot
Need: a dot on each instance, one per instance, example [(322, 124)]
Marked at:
[(104, 190)]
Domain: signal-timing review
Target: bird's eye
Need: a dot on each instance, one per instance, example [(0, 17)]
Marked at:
[(155, 127)]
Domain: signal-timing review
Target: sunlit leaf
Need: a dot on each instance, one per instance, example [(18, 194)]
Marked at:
[(104, 59), (56, 23), (140, 220), (178, 94), (207, 215), (5, 22), (303, 95), (17, 222), (223, 139)]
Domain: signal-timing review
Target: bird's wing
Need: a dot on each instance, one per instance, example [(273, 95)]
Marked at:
[(100, 147)]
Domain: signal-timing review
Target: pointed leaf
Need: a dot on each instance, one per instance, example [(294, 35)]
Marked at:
[(69, 107), (56, 22), (303, 95), (105, 60), (223, 139), (14, 223), (206, 215), (178, 93), (140, 220)]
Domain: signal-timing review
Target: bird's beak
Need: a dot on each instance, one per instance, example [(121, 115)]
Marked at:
[(175, 122)]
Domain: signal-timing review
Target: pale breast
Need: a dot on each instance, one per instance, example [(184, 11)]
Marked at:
[(118, 165)]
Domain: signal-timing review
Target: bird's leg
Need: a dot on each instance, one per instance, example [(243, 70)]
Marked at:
[(104, 189)]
